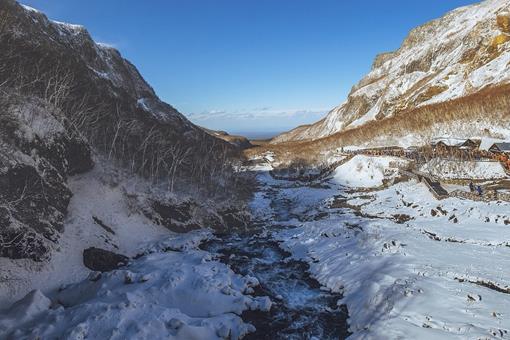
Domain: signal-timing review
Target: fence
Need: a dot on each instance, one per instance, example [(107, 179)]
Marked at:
[(488, 196)]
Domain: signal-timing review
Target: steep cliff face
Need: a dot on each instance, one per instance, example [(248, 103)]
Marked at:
[(453, 57), (35, 49), (36, 156), (63, 98), (102, 96)]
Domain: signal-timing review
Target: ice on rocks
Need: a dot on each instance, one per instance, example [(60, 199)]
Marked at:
[(428, 277), (170, 294)]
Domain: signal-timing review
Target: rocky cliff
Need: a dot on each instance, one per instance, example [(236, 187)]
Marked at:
[(454, 57), (66, 101)]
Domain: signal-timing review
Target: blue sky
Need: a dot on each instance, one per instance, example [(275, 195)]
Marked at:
[(250, 66)]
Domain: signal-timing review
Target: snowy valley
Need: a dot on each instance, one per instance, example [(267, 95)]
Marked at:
[(121, 219)]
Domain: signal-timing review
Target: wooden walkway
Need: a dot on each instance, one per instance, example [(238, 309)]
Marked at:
[(433, 185), (435, 188)]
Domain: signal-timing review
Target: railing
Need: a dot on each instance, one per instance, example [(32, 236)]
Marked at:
[(435, 188), (487, 196)]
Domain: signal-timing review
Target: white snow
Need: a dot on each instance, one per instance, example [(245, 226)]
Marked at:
[(92, 196), (421, 278), (409, 266), (30, 9), (170, 289), (365, 171), (66, 28), (36, 123), (171, 295), (440, 273), (142, 104), (456, 169), (434, 56), (488, 142)]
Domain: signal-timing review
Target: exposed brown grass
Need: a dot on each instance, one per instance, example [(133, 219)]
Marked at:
[(503, 22), (431, 92), (491, 103)]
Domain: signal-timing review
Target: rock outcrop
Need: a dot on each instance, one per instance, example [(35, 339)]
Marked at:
[(63, 95), (36, 156), (101, 260), (450, 58)]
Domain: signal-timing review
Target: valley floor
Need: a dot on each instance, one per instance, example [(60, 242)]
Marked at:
[(325, 260), (408, 265)]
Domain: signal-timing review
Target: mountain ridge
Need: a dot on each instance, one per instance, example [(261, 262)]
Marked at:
[(68, 105), (445, 59)]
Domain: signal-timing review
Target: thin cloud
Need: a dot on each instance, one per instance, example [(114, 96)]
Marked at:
[(258, 113)]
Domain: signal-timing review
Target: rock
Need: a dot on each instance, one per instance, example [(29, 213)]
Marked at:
[(78, 156), (234, 218), (36, 156), (428, 53), (178, 212), (129, 278), (402, 218), (175, 323), (178, 217), (103, 260), (32, 220)]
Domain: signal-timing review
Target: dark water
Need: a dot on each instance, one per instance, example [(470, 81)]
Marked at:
[(301, 309)]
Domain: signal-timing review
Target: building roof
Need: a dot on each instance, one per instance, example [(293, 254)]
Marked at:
[(449, 141), (487, 143), (475, 141), (503, 147)]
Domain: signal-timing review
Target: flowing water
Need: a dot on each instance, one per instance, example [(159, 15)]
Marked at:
[(301, 308)]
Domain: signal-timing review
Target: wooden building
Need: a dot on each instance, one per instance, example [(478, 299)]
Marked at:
[(500, 148)]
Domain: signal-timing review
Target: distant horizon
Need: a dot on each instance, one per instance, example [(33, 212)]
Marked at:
[(250, 65), (256, 135)]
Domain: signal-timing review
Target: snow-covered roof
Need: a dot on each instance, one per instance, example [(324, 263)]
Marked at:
[(504, 147), (449, 141), (487, 143)]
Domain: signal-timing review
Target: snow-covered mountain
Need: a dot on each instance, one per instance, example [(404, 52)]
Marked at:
[(67, 102), (454, 57), (41, 45)]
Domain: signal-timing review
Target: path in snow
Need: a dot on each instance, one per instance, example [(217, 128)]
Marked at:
[(301, 309)]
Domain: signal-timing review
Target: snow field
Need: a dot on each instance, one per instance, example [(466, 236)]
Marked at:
[(364, 171), (409, 266), (172, 295)]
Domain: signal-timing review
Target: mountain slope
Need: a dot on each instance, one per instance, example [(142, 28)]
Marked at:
[(92, 84), (453, 57), (66, 103)]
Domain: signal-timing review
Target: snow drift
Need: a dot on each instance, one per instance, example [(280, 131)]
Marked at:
[(453, 169), (365, 171)]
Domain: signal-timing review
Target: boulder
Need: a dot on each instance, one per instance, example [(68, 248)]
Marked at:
[(103, 260)]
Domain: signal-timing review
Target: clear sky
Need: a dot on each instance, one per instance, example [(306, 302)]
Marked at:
[(250, 66)]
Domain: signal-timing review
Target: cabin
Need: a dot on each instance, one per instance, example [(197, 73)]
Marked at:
[(500, 148), (471, 144), (502, 153), (446, 143)]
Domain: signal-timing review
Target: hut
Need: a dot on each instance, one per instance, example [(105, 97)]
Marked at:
[(447, 143), (500, 148), (471, 144)]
